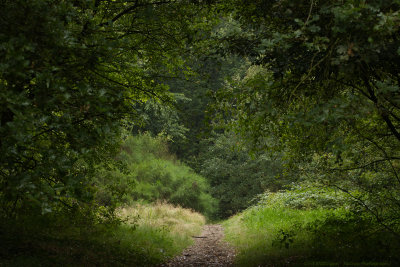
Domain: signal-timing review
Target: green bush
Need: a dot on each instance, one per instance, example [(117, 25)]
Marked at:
[(305, 197), (351, 235), (150, 173)]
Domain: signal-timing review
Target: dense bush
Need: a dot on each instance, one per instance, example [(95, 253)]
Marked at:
[(305, 197), (151, 173)]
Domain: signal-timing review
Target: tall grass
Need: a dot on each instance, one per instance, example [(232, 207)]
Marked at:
[(270, 235), (309, 227), (148, 235), (163, 229)]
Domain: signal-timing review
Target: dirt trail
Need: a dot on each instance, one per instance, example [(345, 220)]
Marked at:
[(208, 250)]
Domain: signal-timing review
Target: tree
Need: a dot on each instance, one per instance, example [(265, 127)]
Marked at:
[(326, 83), (235, 176), (70, 73)]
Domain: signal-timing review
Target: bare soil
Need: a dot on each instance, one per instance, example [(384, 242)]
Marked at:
[(208, 250)]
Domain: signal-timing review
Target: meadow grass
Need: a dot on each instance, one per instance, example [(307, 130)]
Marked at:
[(162, 229), (149, 235), (271, 236), (310, 227)]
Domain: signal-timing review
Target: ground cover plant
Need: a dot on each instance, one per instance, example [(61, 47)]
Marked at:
[(144, 235), (308, 226), (162, 229)]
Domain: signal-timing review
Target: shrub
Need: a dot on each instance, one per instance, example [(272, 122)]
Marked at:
[(150, 173), (304, 197)]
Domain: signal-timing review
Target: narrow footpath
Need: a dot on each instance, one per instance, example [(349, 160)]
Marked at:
[(208, 250)]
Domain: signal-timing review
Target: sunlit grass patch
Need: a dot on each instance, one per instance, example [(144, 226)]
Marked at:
[(161, 228), (297, 227), (270, 235)]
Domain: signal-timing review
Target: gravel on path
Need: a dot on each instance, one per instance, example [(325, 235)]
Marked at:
[(208, 250)]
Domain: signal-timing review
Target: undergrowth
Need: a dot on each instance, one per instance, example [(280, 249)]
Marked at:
[(309, 227), (162, 228), (141, 235), (150, 173)]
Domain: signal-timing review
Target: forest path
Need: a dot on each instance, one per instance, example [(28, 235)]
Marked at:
[(208, 250)]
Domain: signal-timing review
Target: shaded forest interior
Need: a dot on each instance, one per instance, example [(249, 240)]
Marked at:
[(126, 126)]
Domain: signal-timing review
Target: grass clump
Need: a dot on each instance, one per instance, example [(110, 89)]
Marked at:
[(163, 229), (309, 226)]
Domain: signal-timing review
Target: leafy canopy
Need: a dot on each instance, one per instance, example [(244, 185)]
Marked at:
[(70, 74)]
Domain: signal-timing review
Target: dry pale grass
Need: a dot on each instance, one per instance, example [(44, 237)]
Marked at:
[(176, 220)]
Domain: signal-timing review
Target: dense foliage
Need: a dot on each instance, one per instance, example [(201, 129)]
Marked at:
[(70, 74), (73, 76), (150, 173), (324, 90), (255, 96), (235, 176)]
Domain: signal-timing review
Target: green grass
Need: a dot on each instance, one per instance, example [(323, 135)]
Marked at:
[(265, 235), (277, 235), (162, 229), (150, 234)]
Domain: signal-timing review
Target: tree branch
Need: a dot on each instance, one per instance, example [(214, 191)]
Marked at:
[(383, 113), (132, 8)]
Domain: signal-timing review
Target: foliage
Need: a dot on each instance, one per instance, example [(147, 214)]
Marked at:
[(305, 197), (324, 86), (70, 73), (160, 119), (197, 87), (259, 235), (210, 70), (151, 173), (72, 76), (235, 176), (279, 230), (311, 86)]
